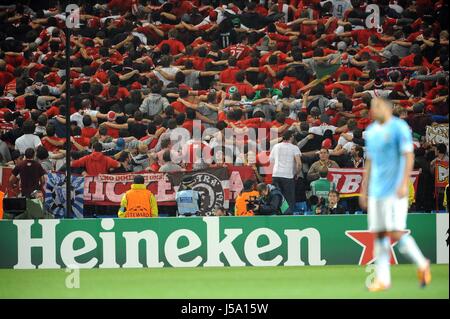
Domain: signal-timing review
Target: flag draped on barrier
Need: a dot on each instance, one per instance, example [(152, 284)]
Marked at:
[(348, 180), (108, 189), (441, 174), (55, 195)]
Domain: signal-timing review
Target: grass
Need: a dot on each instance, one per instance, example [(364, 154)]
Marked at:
[(223, 283)]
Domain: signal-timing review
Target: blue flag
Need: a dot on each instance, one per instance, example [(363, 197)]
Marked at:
[(55, 195)]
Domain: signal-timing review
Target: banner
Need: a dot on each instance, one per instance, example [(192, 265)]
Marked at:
[(441, 174), (348, 180), (201, 241), (106, 189), (437, 134), (212, 185), (56, 196)]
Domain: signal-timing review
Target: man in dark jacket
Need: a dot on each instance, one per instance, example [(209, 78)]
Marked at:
[(272, 201), (333, 207)]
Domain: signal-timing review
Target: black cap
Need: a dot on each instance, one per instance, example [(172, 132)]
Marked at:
[(188, 180)]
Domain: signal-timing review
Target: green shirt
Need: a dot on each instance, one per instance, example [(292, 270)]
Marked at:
[(272, 92), (322, 187)]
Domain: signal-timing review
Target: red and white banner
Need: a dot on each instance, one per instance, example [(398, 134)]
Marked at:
[(348, 180), (108, 189), (441, 174)]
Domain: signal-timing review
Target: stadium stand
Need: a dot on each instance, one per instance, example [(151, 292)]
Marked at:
[(142, 69)]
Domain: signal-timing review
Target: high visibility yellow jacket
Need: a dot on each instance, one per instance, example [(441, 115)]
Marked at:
[(138, 202)]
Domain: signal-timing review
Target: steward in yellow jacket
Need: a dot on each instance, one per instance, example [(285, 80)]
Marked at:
[(138, 201)]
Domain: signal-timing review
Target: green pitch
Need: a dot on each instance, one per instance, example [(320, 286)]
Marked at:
[(242, 282)]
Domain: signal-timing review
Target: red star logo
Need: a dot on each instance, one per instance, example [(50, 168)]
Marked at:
[(366, 239)]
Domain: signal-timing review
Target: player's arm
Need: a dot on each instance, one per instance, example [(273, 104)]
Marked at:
[(407, 150), (403, 189), (364, 185)]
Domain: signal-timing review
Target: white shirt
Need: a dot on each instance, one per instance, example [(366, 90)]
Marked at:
[(170, 71), (283, 158), (319, 130), (343, 141), (348, 147), (27, 141), (78, 117)]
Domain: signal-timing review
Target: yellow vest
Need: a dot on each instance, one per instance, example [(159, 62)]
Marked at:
[(139, 202)]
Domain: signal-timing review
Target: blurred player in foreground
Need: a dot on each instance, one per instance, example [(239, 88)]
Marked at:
[(384, 192)]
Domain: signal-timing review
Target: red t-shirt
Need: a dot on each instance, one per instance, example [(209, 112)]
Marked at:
[(239, 51), (189, 125), (243, 89), (362, 36), (96, 163), (178, 106), (5, 78), (113, 132), (353, 73), (176, 46), (229, 75), (50, 147), (88, 132)]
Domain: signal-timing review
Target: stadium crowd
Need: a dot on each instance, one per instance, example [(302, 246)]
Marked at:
[(304, 69)]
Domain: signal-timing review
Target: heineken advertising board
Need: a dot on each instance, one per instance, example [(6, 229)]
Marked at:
[(206, 242)]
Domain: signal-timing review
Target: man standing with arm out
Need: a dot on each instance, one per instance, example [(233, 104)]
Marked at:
[(287, 164), (384, 192)]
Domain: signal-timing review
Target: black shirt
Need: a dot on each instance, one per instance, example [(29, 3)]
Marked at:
[(137, 129)]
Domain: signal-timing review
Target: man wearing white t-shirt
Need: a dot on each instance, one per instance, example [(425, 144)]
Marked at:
[(28, 139), (286, 161)]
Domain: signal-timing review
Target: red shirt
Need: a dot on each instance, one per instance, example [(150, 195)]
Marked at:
[(244, 63), (52, 111), (178, 106), (96, 163), (362, 36), (200, 63), (83, 141), (243, 89), (347, 89), (353, 73), (294, 84), (229, 75), (189, 125), (176, 46), (50, 147), (239, 51), (5, 78), (88, 132), (113, 132), (182, 7), (121, 5), (122, 93)]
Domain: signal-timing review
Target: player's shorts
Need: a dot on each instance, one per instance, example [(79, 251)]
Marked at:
[(387, 214)]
